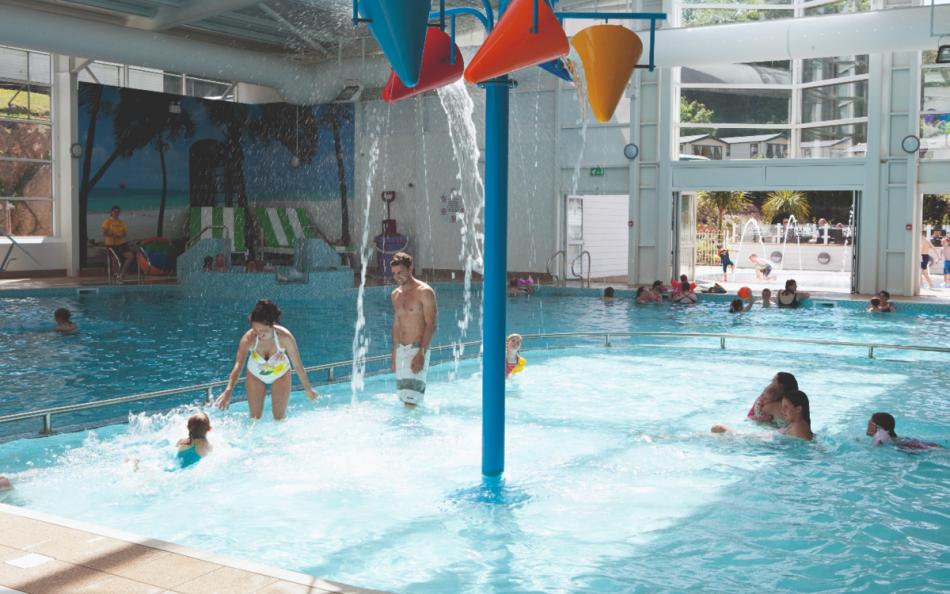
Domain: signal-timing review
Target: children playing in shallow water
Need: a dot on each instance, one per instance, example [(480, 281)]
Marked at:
[(194, 447), (881, 430), (63, 322), (514, 362)]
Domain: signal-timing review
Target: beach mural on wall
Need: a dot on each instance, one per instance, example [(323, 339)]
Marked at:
[(156, 155)]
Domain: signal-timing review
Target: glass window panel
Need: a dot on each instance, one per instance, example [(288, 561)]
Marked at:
[(815, 69), (172, 83), (23, 101), (701, 17), (737, 2), (835, 102), (935, 141), (12, 63), (839, 7), (735, 106), (25, 179), (698, 144), (830, 142), (197, 87), (39, 67), (25, 141), (147, 80), (26, 217), (108, 74), (935, 94), (753, 73)]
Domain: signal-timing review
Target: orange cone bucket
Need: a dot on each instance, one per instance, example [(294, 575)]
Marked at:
[(437, 69), (609, 54), (512, 46)]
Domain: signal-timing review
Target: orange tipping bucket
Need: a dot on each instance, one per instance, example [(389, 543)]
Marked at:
[(609, 54), (512, 46)]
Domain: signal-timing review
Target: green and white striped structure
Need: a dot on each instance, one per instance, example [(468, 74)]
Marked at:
[(281, 227), (222, 218)]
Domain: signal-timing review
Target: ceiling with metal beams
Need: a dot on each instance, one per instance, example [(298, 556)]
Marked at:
[(309, 30)]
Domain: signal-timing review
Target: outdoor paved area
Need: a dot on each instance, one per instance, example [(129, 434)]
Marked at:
[(41, 554)]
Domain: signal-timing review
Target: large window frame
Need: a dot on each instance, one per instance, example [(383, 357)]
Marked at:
[(797, 86), (37, 82), (938, 119)]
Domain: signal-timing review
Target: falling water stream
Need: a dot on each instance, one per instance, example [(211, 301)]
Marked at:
[(460, 109), (360, 339), (576, 68)]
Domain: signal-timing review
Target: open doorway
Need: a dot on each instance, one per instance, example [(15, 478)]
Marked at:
[(762, 239), (935, 246), (597, 237)]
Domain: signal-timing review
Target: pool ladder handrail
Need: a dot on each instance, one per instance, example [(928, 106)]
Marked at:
[(47, 414), (194, 238), (554, 275), (581, 275)]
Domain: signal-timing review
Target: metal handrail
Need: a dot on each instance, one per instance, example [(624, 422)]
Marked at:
[(194, 238), (47, 413), (14, 243), (581, 276), (547, 267)]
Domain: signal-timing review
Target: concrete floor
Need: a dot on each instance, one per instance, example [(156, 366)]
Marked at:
[(41, 554)]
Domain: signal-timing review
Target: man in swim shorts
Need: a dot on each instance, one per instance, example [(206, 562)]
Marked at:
[(414, 315)]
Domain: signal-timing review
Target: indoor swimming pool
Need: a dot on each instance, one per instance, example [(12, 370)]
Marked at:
[(613, 481)]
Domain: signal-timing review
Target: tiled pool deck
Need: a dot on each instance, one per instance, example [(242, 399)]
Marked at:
[(42, 554)]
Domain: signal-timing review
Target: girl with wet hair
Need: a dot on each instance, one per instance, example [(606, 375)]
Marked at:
[(268, 350), (797, 413)]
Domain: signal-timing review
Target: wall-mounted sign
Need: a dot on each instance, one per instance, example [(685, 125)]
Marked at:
[(597, 172)]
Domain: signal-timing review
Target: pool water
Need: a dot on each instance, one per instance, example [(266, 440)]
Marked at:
[(613, 481), (130, 343)]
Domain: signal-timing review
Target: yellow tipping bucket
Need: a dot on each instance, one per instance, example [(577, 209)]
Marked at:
[(609, 54)]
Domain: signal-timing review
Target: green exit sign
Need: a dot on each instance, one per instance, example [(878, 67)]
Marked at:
[(597, 172)]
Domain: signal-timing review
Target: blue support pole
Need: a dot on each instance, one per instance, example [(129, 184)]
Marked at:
[(494, 285)]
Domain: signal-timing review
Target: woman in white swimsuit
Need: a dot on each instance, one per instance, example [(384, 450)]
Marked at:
[(269, 350)]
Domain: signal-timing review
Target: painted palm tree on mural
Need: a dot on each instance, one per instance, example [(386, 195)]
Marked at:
[(234, 120), (786, 203), (177, 125), (338, 115), (139, 118)]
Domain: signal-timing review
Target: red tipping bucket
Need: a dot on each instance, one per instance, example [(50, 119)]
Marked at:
[(512, 46), (437, 71)]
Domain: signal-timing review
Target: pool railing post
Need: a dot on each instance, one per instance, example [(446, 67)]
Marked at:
[(495, 275)]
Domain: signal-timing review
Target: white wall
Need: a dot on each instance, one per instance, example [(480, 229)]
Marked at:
[(417, 161)]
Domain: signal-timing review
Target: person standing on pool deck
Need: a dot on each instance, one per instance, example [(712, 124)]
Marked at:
[(925, 259), (414, 319), (268, 350)]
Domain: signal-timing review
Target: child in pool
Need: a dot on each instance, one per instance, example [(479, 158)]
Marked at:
[(5, 484), (195, 447), (63, 322), (881, 430), (737, 306), (875, 305), (514, 362), (208, 264), (766, 298)]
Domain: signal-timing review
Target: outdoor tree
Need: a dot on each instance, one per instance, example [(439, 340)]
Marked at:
[(786, 203), (723, 203)]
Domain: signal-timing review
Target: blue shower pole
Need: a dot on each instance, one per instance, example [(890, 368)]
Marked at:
[(495, 275)]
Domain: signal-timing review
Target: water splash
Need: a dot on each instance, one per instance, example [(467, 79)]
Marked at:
[(576, 68), (361, 340), (420, 122), (460, 110)]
